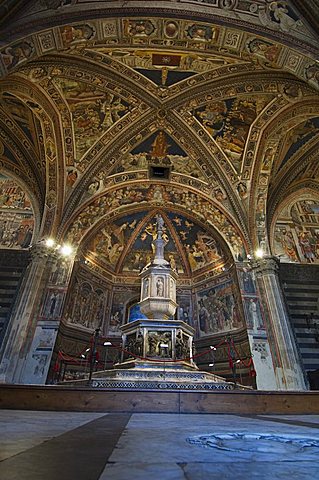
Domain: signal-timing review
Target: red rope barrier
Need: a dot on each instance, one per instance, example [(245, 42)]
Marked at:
[(65, 357)]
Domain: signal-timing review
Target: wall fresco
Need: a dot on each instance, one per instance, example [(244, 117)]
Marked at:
[(166, 68), (21, 114), (217, 309), (16, 215), (297, 239), (87, 306), (299, 136)]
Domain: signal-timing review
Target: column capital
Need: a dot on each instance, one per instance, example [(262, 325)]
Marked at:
[(266, 265), (40, 251)]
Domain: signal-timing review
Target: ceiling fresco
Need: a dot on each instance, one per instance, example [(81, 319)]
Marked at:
[(167, 68), (95, 110), (228, 122), (299, 136), (22, 115), (162, 150), (125, 245)]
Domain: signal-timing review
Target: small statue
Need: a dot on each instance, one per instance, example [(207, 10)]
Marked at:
[(159, 287), (139, 344), (159, 222)]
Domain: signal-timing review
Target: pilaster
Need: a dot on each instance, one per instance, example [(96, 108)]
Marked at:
[(287, 364), (35, 318)]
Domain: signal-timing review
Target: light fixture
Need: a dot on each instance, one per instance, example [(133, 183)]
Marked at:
[(212, 348), (259, 253), (237, 361), (66, 250), (82, 356), (50, 242), (107, 344), (211, 364), (88, 349)]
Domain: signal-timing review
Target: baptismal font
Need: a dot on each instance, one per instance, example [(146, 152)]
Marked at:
[(157, 351), (159, 336)]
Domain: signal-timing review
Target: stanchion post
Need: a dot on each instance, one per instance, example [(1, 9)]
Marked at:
[(93, 352)]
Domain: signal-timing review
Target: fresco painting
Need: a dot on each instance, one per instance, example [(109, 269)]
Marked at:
[(228, 122), (181, 234), (16, 215), (17, 54), (296, 243), (116, 319), (135, 313), (185, 309), (87, 306), (218, 309), (157, 195), (254, 315), (299, 136), (166, 68), (160, 149), (247, 282), (73, 35), (21, 114), (93, 111)]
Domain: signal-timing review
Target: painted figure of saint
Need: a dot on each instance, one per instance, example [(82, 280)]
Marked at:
[(160, 146)]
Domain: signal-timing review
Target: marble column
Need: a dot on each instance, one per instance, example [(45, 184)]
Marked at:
[(25, 313), (256, 329), (285, 356)]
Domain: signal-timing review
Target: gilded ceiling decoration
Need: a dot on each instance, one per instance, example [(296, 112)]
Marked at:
[(213, 118)]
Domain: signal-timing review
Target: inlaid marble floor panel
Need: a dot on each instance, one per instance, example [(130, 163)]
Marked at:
[(21, 429), (88, 446)]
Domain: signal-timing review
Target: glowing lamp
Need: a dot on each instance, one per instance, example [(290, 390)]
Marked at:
[(50, 242), (66, 250), (259, 253)]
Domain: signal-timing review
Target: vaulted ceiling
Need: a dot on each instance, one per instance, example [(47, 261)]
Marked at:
[(221, 96)]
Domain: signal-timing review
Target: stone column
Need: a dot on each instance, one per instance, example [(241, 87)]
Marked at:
[(256, 329), (286, 361), (24, 316)]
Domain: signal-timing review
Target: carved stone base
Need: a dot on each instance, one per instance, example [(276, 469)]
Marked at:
[(155, 339), (135, 374)]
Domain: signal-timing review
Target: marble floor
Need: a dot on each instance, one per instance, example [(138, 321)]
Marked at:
[(92, 446)]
